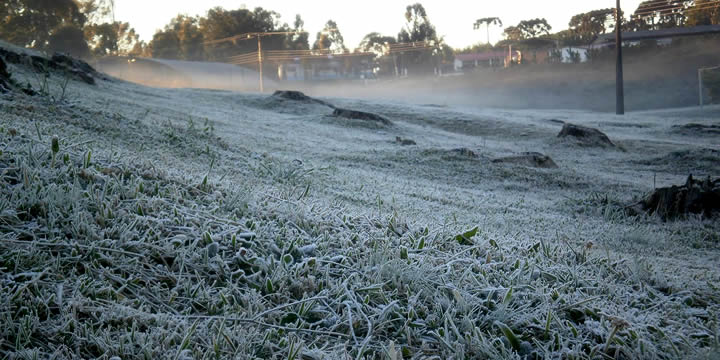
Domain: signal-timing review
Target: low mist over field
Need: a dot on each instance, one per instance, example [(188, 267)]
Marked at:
[(239, 187)]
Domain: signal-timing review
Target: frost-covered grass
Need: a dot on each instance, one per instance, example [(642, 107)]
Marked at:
[(194, 224)]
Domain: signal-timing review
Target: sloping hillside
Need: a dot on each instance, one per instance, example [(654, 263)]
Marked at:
[(191, 224)]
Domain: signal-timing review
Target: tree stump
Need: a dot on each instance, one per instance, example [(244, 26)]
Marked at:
[(695, 197)]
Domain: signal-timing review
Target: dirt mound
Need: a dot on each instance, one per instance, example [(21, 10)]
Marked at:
[(555, 121), (11, 56), (404, 142), (530, 159), (291, 102), (695, 197), (7, 84), (360, 115), (59, 62), (293, 95), (465, 152), (77, 67), (697, 129), (585, 136)]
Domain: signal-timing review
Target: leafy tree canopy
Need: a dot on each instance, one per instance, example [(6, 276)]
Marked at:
[(115, 38), (69, 39), (31, 23), (418, 26), (219, 23), (703, 12), (299, 40), (528, 29), (585, 28), (376, 42), (330, 38), (661, 14)]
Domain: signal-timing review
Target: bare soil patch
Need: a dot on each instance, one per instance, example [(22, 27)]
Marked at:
[(531, 159), (360, 115), (585, 136)]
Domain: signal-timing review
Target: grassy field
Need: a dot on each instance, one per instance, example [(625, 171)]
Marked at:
[(200, 224)]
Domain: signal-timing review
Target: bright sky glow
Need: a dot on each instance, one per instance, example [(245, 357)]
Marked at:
[(453, 18)]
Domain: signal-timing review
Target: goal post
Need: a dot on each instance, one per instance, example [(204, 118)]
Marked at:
[(708, 79)]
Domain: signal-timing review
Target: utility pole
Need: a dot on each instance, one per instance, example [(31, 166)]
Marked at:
[(510, 54), (260, 63), (259, 35), (619, 85)]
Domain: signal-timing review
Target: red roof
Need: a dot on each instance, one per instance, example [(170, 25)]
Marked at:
[(483, 56)]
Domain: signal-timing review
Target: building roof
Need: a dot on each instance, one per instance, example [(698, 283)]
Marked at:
[(661, 34), (483, 56)]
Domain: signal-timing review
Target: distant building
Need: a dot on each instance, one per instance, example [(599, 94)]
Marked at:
[(662, 36), (572, 54), (486, 59), (327, 67)]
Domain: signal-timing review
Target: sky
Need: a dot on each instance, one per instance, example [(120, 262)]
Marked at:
[(453, 19)]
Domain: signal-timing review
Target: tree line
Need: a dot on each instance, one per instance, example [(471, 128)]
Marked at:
[(87, 28), (585, 28)]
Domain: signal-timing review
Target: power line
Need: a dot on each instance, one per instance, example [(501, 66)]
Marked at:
[(248, 36), (295, 58), (705, 6), (659, 1), (687, 11), (665, 4), (668, 6), (711, 4), (320, 53), (251, 58)]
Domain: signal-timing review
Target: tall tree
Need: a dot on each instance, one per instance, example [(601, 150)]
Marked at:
[(703, 12), (165, 45), (662, 14), (487, 22), (531, 35), (299, 40), (190, 37), (418, 26), (98, 11), (181, 39), (380, 45), (528, 29), (219, 23), (111, 38), (69, 39), (376, 42), (330, 38), (587, 26), (31, 23)]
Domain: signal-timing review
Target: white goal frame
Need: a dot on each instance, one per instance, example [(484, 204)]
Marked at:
[(701, 88)]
